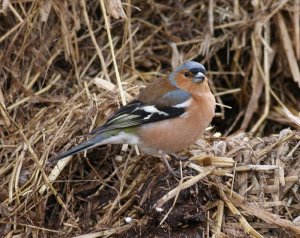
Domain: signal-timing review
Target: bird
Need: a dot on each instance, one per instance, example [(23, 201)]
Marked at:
[(167, 116)]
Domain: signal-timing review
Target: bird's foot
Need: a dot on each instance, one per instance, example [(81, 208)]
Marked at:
[(179, 158)]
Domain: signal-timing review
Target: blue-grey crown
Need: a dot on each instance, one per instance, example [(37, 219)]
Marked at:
[(190, 65)]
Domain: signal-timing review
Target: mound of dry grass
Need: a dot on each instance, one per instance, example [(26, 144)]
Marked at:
[(66, 65)]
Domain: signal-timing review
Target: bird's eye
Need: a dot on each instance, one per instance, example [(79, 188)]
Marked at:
[(186, 74)]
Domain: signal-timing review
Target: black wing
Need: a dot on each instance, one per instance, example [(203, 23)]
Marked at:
[(137, 112)]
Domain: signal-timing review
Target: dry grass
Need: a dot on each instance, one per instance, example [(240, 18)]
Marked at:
[(64, 68)]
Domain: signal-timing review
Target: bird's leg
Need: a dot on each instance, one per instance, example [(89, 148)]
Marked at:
[(164, 159)]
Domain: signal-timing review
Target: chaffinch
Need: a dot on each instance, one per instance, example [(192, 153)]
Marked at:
[(167, 116)]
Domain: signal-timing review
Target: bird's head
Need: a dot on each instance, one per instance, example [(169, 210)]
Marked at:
[(189, 76)]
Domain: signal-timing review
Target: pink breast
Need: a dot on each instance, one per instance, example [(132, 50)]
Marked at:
[(175, 134)]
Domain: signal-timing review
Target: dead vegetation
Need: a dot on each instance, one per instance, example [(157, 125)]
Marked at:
[(66, 65)]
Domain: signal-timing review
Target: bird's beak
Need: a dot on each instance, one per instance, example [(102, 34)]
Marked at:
[(199, 77)]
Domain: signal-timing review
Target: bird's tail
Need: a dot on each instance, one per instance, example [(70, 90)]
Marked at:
[(95, 141)]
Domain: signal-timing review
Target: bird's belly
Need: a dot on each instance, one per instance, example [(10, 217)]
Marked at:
[(172, 135)]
